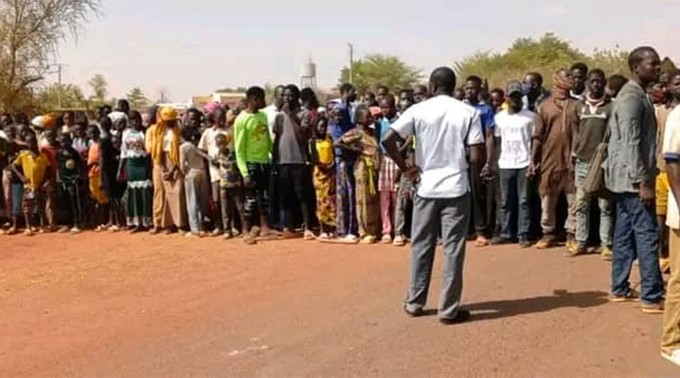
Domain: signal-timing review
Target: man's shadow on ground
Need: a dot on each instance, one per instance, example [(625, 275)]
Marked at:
[(513, 307)]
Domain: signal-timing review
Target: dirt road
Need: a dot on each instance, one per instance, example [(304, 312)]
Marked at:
[(121, 305)]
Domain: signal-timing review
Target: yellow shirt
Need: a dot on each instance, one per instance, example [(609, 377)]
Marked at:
[(34, 167)]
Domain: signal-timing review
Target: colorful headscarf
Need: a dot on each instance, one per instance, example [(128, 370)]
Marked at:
[(561, 86), (165, 115)]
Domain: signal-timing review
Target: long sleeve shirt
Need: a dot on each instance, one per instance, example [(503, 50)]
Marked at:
[(632, 146), (252, 140)]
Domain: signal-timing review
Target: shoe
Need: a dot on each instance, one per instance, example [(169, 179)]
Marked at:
[(154, 231), (524, 243), (308, 235), (415, 312), (499, 240), (571, 245), (368, 239), (324, 236), (215, 232), (653, 308), (236, 232), (386, 239), (251, 237), (546, 242), (399, 241), (606, 253), (672, 357), (170, 230), (63, 230), (12, 231), (288, 234), (28, 232), (576, 250), (481, 241), (75, 230), (349, 239), (192, 235), (630, 296), (114, 228), (227, 235), (463, 315)]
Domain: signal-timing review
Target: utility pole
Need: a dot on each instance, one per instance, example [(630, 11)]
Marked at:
[(351, 61), (59, 67)]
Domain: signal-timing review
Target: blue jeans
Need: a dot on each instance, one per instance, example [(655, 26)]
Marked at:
[(582, 210), (636, 235), (514, 203)]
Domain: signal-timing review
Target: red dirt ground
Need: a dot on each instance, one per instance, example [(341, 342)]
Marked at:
[(142, 305)]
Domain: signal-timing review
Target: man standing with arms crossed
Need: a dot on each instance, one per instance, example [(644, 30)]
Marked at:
[(444, 127)]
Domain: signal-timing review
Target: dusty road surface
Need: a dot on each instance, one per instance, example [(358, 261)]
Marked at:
[(142, 305)]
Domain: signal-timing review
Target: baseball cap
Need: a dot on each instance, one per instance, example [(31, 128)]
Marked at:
[(514, 86)]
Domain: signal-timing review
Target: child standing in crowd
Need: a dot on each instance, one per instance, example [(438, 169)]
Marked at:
[(95, 178), (361, 141), (207, 144), (196, 190), (70, 166), (253, 144), (389, 172), (35, 172), (324, 179), (231, 186), (117, 182), (49, 148), (13, 188), (135, 164)]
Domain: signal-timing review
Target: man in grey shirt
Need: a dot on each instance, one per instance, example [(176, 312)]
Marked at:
[(630, 174), (292, 131)]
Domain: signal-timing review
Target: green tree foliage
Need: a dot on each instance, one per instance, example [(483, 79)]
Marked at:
[(232, 90), (30, 32), (377, 69), (544, 55), (100, 90), (71, 97), (137, 98)]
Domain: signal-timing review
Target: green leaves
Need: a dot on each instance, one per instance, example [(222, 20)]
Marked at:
[(378, 69)]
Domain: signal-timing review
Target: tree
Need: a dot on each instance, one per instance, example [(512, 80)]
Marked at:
[(99, 89), (232, 90), (137, 98), (545, 55), (378, 69), (71, 97), (30, 31)]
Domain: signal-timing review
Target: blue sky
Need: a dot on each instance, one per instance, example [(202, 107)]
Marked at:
[(193, 47)]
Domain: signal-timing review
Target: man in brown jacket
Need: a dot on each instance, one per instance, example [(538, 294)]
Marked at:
[(551, 155)]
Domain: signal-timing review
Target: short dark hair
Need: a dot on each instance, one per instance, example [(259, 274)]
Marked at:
[(308, 96), (579, 66), (443, 78), (381, 86), (537, 76), (408, 91), (499, 91), (255, 92), (475, 79), (616, 82), (389, 99), (294, 89), (638, 55), (597, 72), (187, 133), (346, 87)]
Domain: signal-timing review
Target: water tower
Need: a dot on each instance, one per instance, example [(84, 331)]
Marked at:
[(308, 76)]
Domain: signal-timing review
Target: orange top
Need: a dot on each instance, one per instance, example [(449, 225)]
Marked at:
[(93, 156)]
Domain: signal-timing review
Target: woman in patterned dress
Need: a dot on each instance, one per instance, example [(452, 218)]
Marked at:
[(135, 166)]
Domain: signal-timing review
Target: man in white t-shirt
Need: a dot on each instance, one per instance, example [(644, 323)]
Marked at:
[(443, 128), (670, 341), (514, 127), (208, 144)]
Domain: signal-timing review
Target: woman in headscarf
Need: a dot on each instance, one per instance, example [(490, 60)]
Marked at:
[(163, 140)]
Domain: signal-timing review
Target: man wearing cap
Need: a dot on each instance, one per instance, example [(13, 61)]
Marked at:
[(514, 128)]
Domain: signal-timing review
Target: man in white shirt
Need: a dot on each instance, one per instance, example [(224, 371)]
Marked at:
[(273, 111), (208, 144), (514, 127), (443, 128), (670, 341)]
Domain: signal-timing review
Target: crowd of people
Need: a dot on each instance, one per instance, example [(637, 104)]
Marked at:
[(438, 163)]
